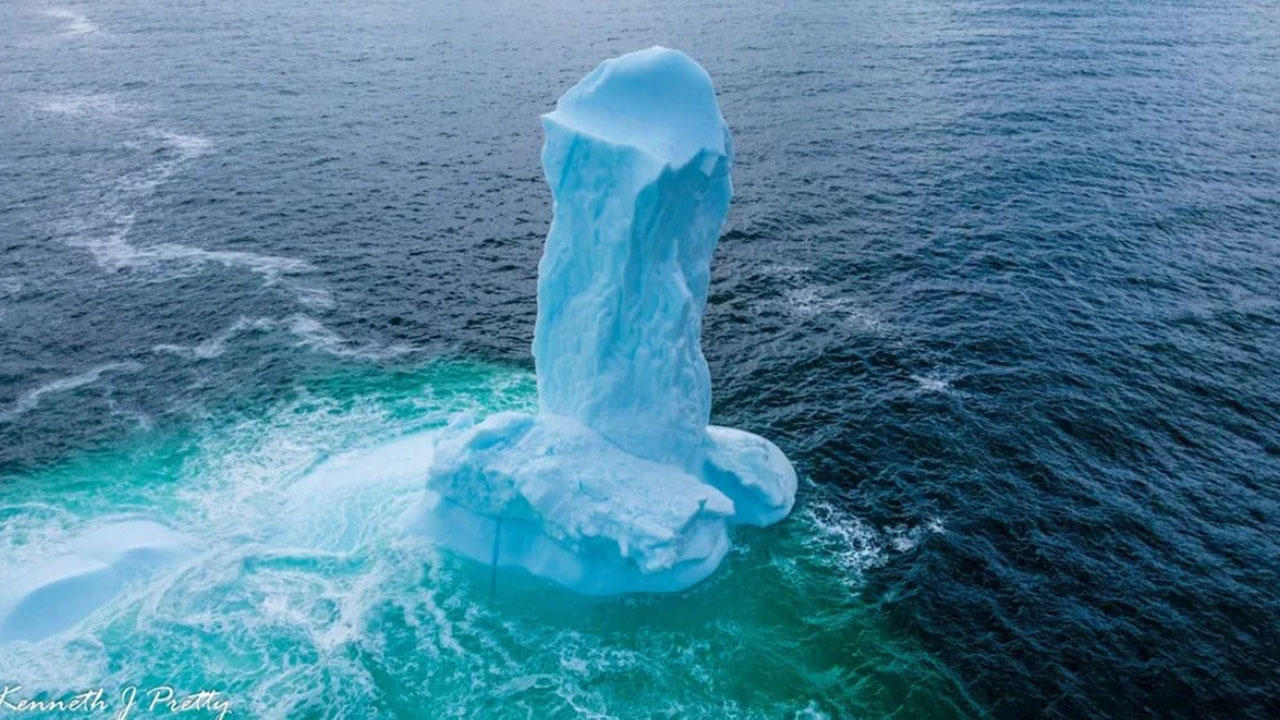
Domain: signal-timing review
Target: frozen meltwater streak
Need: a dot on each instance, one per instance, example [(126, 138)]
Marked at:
[(617, 484)]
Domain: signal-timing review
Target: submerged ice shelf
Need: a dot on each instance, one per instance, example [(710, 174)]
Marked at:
[(617, 484), (56, 592)]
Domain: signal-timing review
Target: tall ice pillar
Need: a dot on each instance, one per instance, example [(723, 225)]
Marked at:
[(617, 484)]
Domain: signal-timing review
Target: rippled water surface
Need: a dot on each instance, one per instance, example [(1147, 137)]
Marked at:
[(1001, 278)]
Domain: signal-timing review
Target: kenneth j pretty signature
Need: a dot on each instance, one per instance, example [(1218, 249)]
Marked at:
[(131, 702)]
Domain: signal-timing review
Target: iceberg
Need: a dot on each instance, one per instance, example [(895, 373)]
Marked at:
[(53, 594), (617, 484)]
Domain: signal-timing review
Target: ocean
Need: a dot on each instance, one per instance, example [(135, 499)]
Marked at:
[(1002, 279)]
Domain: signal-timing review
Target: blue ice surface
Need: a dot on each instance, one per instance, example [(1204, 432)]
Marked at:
[(618, 484), (52, 594)]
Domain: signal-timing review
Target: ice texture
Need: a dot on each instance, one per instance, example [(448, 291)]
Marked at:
[(617, 484), (637, 156), (55, 593)]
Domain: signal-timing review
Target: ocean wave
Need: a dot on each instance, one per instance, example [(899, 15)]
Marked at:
[(217, 345), (295, 510), (104, 229), (10, 286), (30, 399), (853, 545), (842, 539), (314, 335), (932, 384), (188, 146), (308, 332), (101, 104), (805, 299), (812, 301), (905, 538), (76, 24)]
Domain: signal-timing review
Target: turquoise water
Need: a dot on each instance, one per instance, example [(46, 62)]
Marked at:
[(308, 600)]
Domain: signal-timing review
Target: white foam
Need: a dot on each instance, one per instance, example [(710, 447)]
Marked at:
[(262, 573), (932, 384), (904, 538), (270, 267), (216, 345), (30, 399), (314, 335), (112, 249), (309, 296), (813, 301), (76, 24), (843, 539), (104, 228), (285, 604), (852, 544), (27, 528), (811, 711), (805, 299), (790, 273), (103, 104), (309, 333), (188, 145), (326, 508)]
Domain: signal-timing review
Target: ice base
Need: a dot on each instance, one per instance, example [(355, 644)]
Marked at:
[(548, 494)]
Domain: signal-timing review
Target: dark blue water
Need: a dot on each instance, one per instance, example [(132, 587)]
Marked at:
[(1003, 279)]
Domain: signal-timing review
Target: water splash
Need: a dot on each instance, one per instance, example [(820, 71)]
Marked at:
[(307, 600)]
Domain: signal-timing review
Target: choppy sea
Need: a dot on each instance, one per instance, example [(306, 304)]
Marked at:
[(1002, 279)]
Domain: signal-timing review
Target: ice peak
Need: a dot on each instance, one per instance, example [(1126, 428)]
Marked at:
[(658, 100)]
